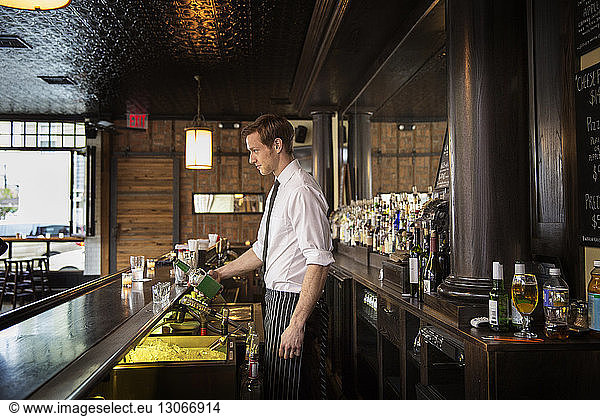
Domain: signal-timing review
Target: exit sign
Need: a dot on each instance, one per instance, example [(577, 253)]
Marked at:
[(137, 121)]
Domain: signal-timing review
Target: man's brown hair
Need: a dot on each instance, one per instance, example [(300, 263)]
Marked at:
[(269, 127)]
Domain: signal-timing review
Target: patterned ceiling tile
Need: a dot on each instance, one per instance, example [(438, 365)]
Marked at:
[(142, 55)]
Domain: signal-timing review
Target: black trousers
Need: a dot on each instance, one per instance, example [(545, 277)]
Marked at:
[(301, 377)]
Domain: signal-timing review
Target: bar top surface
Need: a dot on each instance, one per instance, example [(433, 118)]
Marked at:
[(34, 351)]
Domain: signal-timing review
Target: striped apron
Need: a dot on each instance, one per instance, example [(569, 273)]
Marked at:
[(282, 377)]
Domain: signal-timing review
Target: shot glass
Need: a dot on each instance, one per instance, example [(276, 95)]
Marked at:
[(137, 267)]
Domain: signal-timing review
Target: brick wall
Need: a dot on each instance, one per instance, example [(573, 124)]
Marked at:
[(229, 174), (395, 173)]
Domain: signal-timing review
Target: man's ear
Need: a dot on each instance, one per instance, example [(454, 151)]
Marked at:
[(278, 145)]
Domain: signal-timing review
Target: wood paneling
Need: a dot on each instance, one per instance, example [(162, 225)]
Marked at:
[(144, 207), (231, 173), (400, 158), (552, 131)]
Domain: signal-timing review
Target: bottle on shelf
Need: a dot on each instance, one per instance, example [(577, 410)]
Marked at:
[(515, 316), (556, 306), (413, 263), (423, 263), (443, 255), (594, 300), (432, 270), (498, 301)]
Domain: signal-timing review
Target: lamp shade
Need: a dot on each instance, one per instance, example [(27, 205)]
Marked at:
[(198, 148), (35, 4)]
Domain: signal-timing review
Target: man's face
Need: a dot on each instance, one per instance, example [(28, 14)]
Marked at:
[(261, 156)]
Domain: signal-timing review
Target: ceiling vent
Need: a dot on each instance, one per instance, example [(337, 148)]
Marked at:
[(57, 80), (13, 42)]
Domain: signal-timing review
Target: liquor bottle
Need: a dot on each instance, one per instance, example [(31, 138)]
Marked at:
[(224, 322), (432, 270), (244, 366), (594, 300), (369, 235), (413, 263), (202, 282), (556, 306), (516, 317), (444, 256), (498, 302), (423, 263), (252, 386)]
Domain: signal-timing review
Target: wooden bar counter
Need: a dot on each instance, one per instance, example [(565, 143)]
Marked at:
[(64, 348), (454, 360)]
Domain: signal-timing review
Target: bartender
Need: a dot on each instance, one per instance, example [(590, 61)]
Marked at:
[(294, 250)]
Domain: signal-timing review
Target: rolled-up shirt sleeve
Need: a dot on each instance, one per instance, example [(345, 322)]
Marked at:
[(307, 210), (258, 245)]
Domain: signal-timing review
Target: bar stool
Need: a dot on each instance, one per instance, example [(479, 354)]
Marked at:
[(2, 280), (39, 275), (17, 281)]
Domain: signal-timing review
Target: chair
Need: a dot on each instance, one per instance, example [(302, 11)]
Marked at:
[(17, 281), (39, 276)]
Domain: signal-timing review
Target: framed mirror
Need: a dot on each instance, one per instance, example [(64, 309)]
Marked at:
[(224, 203)]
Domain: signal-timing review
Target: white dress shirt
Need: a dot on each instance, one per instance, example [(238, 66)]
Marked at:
[(299, 232)]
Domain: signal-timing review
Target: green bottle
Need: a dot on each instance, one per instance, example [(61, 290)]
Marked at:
[(201, 281), (498, 301)]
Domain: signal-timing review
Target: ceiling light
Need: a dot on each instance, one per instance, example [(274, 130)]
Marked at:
[(35, 4), (13, 42), (198, 141), (60, 80)]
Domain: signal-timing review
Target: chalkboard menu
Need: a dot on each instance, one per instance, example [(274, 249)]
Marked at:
[(587, 105), (587, 26), (443, 174)]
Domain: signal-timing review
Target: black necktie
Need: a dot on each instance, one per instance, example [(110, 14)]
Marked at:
[(271, 201)]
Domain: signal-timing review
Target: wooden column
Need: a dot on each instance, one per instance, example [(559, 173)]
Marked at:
[(359, 154), (489, 142), (322, 153)]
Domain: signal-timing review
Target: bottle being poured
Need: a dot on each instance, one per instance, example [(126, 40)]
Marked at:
[(201, 281)]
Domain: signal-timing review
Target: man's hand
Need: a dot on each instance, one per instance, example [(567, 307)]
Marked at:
[(215, 275), (291, 342)]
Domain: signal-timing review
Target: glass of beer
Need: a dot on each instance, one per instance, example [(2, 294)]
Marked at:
[(525, 298)]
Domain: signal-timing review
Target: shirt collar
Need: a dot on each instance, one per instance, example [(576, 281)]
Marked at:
[(287, 173)]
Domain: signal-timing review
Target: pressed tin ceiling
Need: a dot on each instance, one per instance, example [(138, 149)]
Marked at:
[(142, 55)]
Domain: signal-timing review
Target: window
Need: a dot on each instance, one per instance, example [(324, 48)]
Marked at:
[(43, 172), (42, 134)]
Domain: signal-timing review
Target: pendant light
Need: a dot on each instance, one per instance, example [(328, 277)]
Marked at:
[(198, 141), (35, 4)]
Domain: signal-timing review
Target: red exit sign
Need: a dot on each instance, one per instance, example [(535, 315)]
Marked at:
[(137, 121)]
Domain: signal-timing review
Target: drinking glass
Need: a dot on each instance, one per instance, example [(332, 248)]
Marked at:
[(525, 298), (126, 279), (160, 292), (137, 267)]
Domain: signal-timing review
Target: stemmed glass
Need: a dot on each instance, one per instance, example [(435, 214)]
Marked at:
[(525, 298)]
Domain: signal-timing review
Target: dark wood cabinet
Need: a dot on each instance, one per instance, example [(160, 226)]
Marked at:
[(405, 349)]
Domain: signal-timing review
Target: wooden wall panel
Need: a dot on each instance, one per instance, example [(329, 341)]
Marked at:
[(400, 173), (144, 214), (553, 142)]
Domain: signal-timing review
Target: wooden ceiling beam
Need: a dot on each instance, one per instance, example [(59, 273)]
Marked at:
[(325, 22)]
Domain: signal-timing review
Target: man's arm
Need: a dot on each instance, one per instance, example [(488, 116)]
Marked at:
[(244, 263), (312, 287)]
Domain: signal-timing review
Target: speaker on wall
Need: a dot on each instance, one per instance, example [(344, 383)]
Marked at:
[(300, 133)]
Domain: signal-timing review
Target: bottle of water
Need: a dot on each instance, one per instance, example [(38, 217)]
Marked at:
[(556, 306)]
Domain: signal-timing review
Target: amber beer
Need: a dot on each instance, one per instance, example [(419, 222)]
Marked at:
[(525, 296)]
